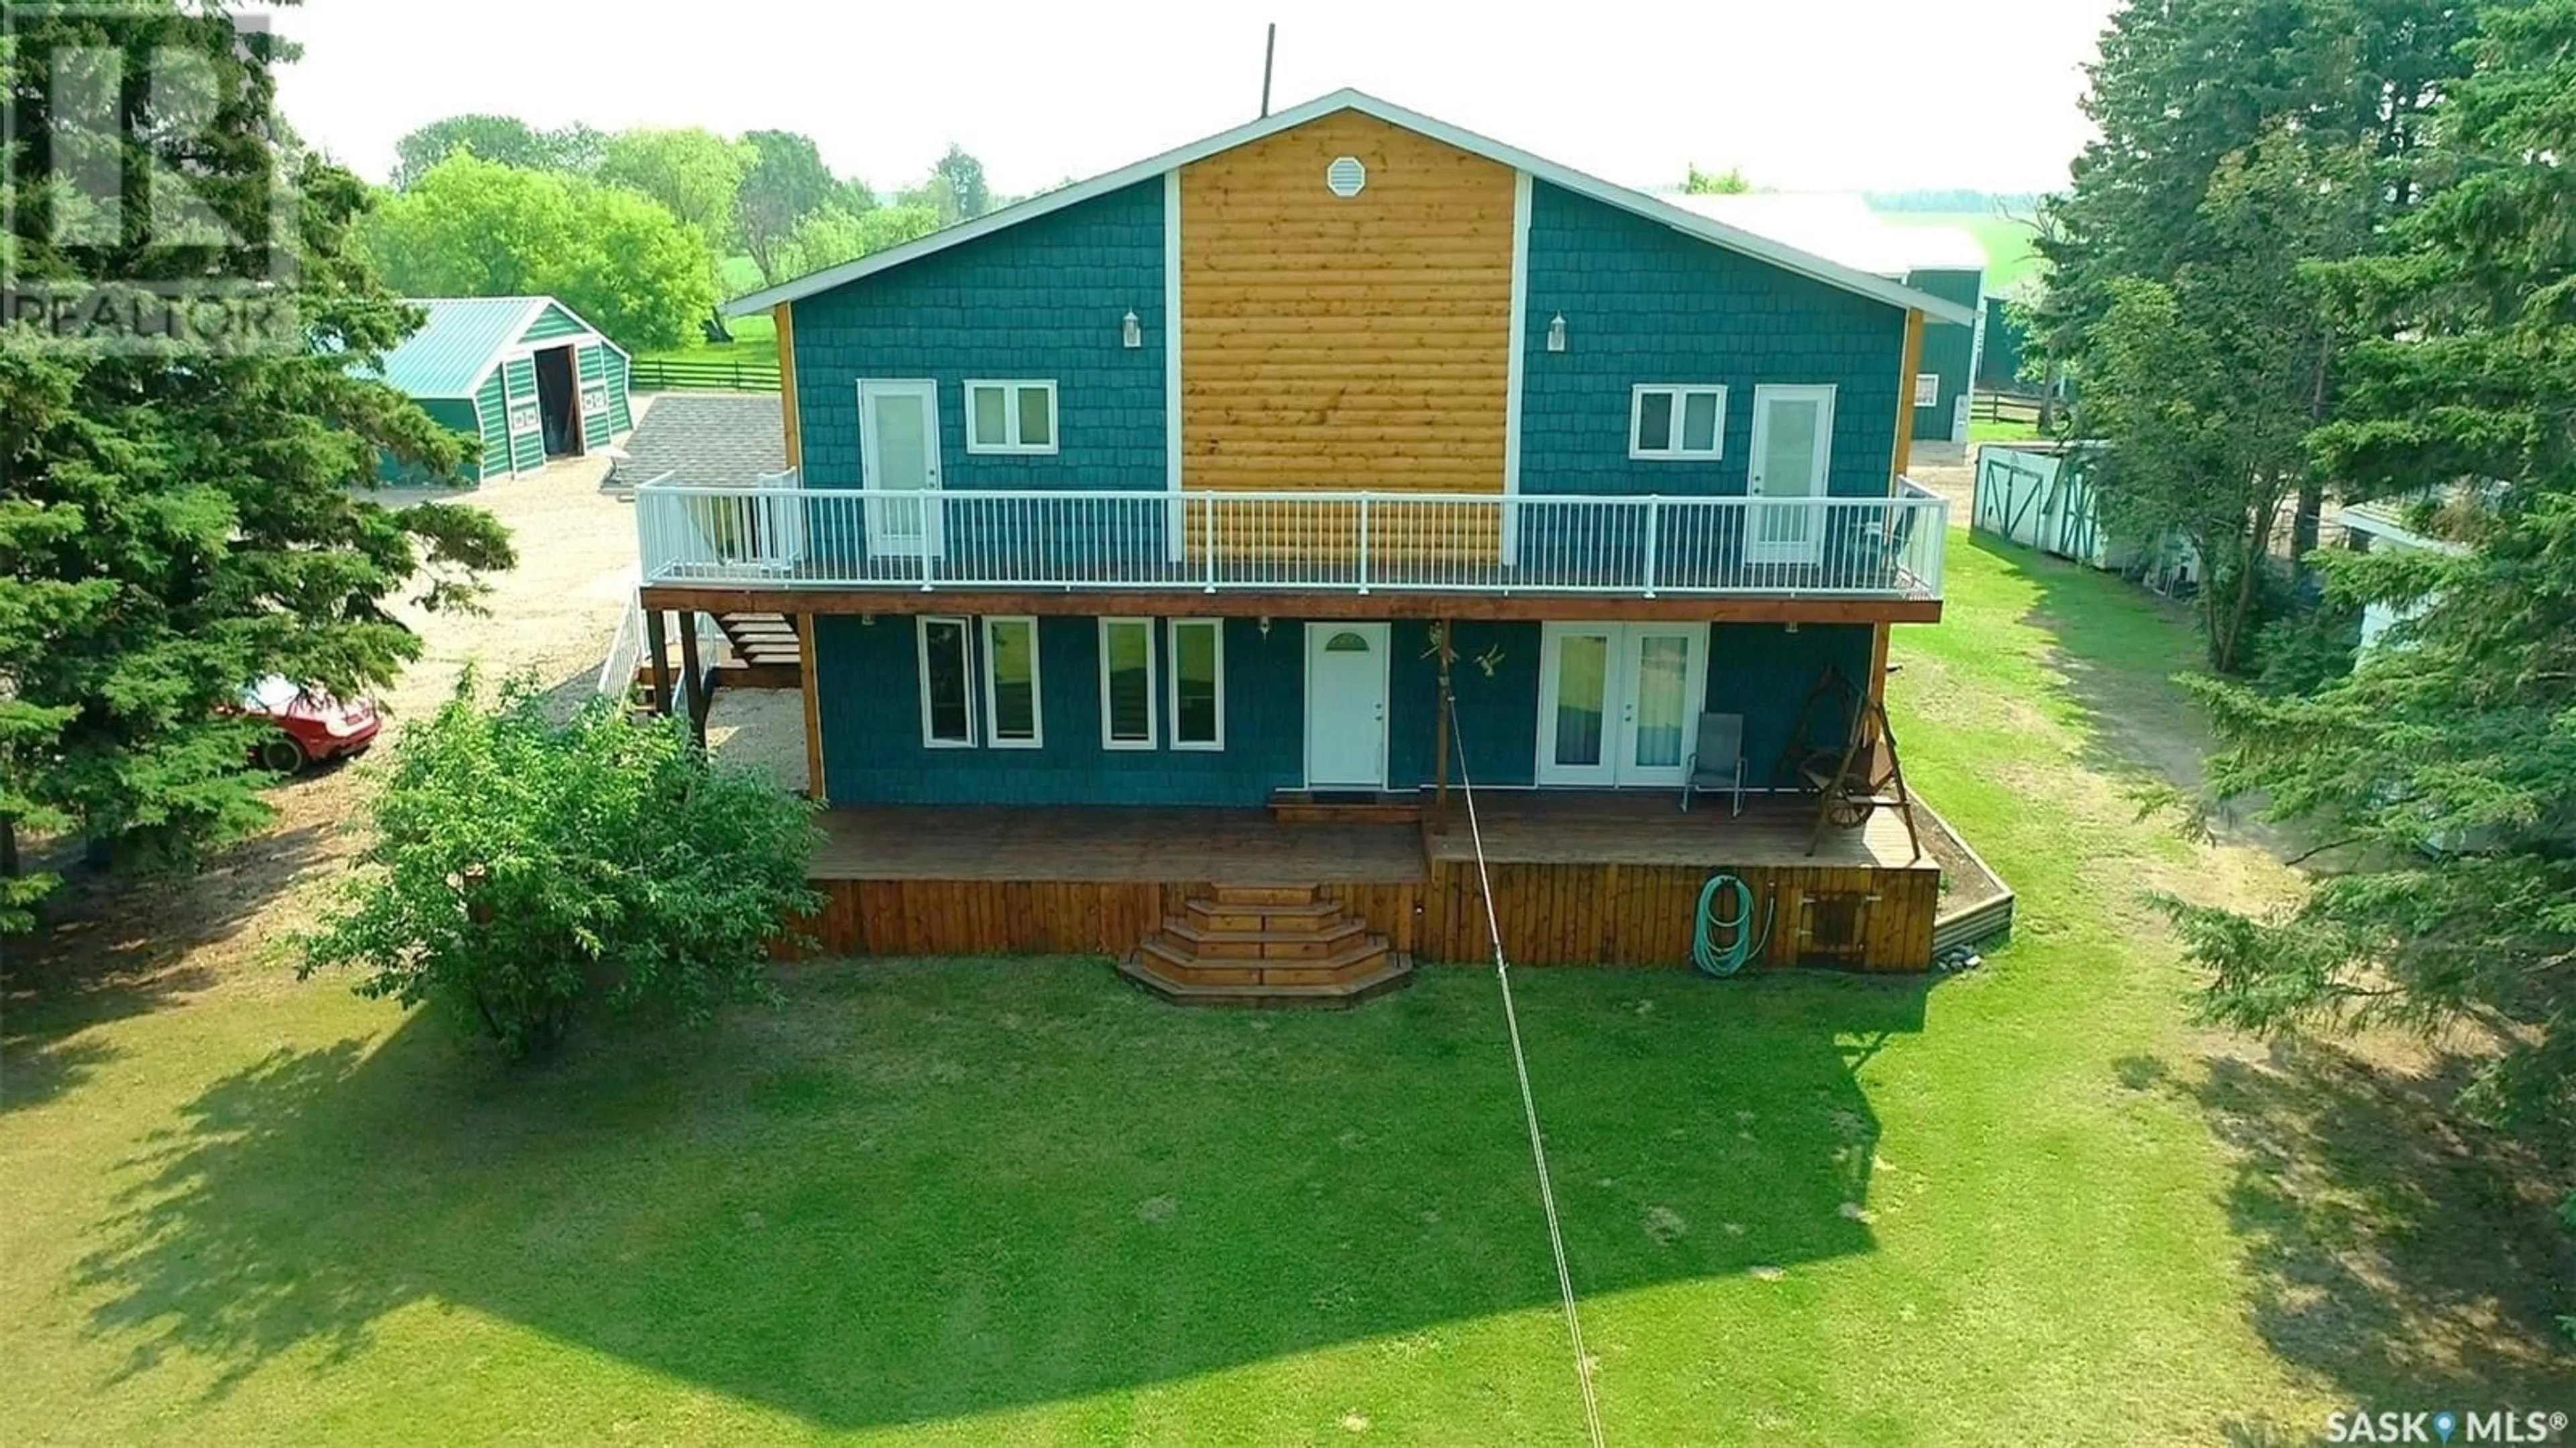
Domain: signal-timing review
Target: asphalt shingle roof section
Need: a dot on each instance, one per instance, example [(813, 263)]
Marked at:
[(450, 354), (707, 440)]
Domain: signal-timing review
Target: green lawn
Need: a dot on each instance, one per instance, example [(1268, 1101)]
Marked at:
[(1016, 1202), (1997, 430)]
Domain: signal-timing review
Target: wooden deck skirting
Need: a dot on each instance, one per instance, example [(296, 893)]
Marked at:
[(1578, 879)]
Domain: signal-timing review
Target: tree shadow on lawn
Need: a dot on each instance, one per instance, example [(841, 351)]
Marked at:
[(923, 1190), (2403, 1258), (109, 946), (2118, 647)]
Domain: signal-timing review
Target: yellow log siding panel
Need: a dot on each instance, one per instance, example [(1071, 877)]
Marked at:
[(1331, 343)]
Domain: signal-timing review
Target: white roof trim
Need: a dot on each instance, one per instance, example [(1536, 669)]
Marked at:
[(1652, 208)]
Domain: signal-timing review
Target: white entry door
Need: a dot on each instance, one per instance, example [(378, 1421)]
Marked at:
[(1793, 442), (1346, 679), (1618, 702), (899, 453)]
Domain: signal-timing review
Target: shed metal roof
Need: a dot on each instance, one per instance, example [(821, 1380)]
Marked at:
[(1654, 208), (455, 350)]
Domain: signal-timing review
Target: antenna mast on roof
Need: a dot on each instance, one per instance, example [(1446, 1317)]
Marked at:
[(1269, 48)]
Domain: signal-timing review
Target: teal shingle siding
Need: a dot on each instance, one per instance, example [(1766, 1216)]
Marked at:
[(1644, 303), (869, 697), (1038, 301), (1947, 347)]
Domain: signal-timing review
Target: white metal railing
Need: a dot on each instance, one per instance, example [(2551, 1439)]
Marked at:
[(779, 535)]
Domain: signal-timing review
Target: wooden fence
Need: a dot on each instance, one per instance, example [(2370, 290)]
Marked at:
[(2016, 407), (655, 374)]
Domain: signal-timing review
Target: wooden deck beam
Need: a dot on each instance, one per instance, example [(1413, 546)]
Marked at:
[(1246, 603)]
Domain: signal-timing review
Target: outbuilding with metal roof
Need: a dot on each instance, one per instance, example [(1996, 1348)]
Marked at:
[(526, 377)]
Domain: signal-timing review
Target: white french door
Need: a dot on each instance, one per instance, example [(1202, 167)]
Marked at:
[(1617, 702), (1793, 450), (899, 453)]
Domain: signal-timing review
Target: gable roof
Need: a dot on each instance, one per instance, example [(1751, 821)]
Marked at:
[(463, 340), (1653, 208)]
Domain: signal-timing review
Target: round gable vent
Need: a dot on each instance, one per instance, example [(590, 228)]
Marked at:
[(1345, 176)]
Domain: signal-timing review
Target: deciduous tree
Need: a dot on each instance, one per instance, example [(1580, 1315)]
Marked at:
[(523, 870), (695, 174), (575, 150), (475, 228), (786, 182)]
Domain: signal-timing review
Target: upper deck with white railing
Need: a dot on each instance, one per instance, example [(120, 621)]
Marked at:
[(779, 535)]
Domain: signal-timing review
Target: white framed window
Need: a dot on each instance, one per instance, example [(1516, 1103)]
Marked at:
[(1675, 421), (1010, 417), (1927, 389), (1198, 683), (947, 683), (1012, 716), (1127, 694)]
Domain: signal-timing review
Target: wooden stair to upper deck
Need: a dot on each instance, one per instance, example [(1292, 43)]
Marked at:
[(1266, 945), (766, 647)]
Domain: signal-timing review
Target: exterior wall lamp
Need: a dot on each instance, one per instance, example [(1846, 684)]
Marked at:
[(1131, 331), (1556, 333)]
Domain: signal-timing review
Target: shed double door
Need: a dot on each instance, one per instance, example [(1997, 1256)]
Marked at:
[(1618, 703)]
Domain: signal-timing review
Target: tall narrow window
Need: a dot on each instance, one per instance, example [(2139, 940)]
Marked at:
[(947, 685), (1198, 683), (1011, 719), (1127, 683)]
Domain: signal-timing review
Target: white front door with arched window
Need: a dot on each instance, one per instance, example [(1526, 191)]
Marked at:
[(1346, 682)]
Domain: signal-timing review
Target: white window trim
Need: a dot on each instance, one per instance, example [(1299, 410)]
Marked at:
[(1681, 391), (993, 685), (1216, 628), (1153, 733), (1011, 389), (921, 650), (1933, 378)]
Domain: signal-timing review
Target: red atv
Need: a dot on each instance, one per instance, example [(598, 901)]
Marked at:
[(311, 725)]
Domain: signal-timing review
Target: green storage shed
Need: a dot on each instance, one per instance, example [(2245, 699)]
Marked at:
[(526, 377)]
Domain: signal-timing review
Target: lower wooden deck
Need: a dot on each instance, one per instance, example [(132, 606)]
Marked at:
[(1578, 878)]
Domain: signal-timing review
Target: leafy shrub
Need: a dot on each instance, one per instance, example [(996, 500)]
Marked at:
[(524, 869)]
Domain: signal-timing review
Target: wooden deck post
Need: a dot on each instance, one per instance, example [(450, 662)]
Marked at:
[(657, 656), (693, 683), (1440, 746), (815, 789)]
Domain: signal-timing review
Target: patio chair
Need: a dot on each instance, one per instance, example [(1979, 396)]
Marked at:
[(1716, 765)]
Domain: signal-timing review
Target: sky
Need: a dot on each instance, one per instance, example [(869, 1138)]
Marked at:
[(1808, 95)]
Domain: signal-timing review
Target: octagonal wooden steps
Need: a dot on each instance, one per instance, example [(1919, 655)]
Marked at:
[(1266, 945)]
